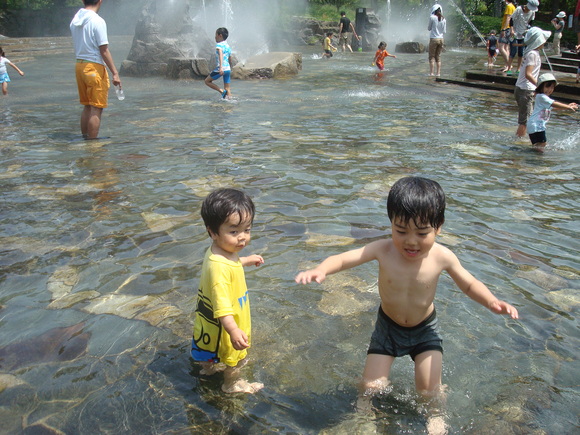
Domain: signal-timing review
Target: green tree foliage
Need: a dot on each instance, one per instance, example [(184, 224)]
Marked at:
[(339, 4)]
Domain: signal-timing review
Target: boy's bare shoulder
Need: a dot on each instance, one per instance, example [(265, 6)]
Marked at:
[(443, 254)]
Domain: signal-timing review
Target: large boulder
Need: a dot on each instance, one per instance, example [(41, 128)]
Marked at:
[(162, 35), (409, 47), (268, 66)]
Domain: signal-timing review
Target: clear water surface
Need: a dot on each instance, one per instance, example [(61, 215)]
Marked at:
[(102, 244)]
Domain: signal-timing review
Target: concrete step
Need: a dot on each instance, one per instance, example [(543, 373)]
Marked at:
[(570, 54), (561, 93), (560, 67), (558, 60)]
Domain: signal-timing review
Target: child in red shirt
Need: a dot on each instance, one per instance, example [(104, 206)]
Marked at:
[(380, 56)]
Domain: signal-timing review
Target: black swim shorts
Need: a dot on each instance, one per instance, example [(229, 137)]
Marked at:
[(390, 338)]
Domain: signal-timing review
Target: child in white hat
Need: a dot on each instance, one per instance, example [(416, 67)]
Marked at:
[(543, 106), (528, 76)]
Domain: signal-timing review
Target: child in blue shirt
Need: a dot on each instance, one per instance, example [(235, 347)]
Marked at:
[(222, 69)]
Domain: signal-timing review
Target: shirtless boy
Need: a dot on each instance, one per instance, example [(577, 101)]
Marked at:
[(410, 264)]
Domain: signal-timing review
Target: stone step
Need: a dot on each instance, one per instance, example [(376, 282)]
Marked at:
[(570, 54), (566, 83), (560, 67), (561, 93), (564, 60)]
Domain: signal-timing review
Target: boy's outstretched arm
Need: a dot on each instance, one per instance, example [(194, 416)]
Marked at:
[(477, 290), (252, 260), (339, 262)]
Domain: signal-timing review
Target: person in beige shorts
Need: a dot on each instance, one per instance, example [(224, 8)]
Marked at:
[(437, 28)]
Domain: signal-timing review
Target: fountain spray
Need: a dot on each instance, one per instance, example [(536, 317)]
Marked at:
[(477, 32)]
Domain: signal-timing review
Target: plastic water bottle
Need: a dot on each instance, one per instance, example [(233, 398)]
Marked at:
[(120, 93)]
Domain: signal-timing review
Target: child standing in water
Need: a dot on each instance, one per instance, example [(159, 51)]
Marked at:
[(222, 69), (327, 46), (543, 106), (410, 263), (222, 325), (491, 44), (4, 78), (528, 76), (381, 54)]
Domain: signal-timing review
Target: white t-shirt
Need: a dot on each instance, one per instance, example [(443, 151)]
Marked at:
[(437, 28), (541, 114), (530, 58), (3, 63), (521, 21), (89, 32)]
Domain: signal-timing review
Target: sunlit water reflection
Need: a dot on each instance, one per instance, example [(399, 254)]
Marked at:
[(102, 244)]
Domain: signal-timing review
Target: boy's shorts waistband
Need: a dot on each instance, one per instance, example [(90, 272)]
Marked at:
[(83, 61), (429, 319)]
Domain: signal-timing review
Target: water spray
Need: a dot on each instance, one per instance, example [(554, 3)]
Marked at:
[(548, 60), (477, 32)]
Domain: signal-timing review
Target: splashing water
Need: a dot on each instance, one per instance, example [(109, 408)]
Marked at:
[(569, 143)]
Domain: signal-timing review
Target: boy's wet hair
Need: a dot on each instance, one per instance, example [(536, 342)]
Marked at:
[(419, 199), (90, 2), (223, 32), (221, 204), (329, 33), (381, 44)]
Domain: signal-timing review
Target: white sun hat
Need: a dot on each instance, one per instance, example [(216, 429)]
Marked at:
[(546, 77)]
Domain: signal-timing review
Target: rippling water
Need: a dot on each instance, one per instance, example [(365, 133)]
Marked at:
[(102, 244)]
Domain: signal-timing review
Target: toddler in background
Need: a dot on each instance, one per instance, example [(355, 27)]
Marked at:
[(491, 45)]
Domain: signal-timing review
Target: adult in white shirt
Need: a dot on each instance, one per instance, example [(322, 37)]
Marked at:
[(438, 28), (91, 45), (521, 18)]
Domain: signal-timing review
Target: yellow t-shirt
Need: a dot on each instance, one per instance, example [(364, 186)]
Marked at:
[(222, 292), (508, 11), (327, 43)]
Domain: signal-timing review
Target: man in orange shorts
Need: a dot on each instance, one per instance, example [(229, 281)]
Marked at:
[(89, 33)]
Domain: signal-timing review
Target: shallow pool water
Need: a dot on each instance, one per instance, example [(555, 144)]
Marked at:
[(102, 244)]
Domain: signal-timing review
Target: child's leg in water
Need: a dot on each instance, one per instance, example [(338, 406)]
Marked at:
[(233, 383), (375, 379), (209, 368)]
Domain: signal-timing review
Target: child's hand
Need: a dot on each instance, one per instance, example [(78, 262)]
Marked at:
[(501, 307), (239, 339), (309, 276), (573, 106), (252, 260), (21, 73)]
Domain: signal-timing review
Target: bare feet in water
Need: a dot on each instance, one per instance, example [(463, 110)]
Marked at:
[(242, 386)]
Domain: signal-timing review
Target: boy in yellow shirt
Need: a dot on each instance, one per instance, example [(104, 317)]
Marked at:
[(222, 325), (328, 47)]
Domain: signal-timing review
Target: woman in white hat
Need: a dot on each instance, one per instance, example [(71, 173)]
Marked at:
[(438, 28), (527, 79), (559, 25), (543, 106)]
